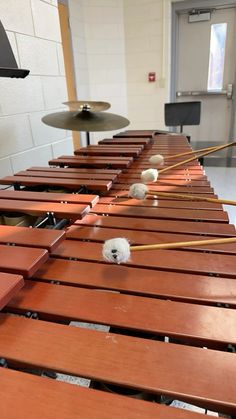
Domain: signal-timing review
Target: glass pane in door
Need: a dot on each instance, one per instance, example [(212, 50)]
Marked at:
[(217, 56)]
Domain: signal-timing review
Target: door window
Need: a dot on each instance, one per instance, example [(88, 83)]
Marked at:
[(217, 56)]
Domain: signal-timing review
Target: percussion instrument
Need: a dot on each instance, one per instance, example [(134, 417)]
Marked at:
[(85, 120), (88, 104), (88, 117), (161, 327)]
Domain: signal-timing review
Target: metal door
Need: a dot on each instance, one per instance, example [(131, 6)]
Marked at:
[(205, 71)]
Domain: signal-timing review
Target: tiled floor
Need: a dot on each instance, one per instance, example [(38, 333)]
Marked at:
[(223, 180)]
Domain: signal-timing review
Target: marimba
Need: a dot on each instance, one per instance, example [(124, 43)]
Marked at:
[(170, 313)]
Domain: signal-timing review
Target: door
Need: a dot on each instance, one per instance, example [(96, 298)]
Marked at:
[(206, 72)]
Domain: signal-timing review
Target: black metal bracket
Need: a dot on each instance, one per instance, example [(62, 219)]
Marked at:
[(82, 189), (52, 221), (60, 224), (87, 138), (16, 186), (41, 222), (48, 218)]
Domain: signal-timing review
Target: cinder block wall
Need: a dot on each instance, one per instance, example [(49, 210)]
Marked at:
[(116, 44), (147, 41), (98, 38), (34, 33)]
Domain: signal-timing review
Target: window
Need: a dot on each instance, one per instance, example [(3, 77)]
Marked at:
[(217, 56)]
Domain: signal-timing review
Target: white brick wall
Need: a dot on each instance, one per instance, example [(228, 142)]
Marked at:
[(46, 22), (39, 55), (15, 134), (33, 29), (16, 16), (99, 54), (116, 44), (33, 157), (144, 54)]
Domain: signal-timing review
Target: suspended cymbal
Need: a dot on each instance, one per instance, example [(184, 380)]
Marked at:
[(86, 121), (87, 105)]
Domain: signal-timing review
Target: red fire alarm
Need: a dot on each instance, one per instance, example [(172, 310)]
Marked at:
[(151, 76)]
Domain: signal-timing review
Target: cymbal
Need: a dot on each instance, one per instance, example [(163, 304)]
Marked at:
[(88, 105), (86, 121)]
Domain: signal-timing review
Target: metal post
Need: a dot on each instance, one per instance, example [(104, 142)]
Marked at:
[(88, 138)]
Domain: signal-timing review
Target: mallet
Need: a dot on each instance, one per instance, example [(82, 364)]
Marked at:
[(173, 156), (139, 191), (158, 159), (200, 155), (118, 250)]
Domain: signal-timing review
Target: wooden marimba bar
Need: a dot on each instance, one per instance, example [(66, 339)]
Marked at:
[(171, 313)]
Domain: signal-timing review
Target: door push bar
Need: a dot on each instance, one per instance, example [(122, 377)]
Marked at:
[(227, 92)]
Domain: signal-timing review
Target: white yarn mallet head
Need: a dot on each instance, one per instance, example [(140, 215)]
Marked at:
[(157, 159), (116, 250), (138, 191), (149, 175)]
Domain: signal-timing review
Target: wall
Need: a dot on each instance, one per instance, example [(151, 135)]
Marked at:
[(146, 34), (79, 48), (34, 33), (116, 43), (98, 38)]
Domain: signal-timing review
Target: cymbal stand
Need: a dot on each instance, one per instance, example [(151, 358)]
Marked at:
[(87, 137)]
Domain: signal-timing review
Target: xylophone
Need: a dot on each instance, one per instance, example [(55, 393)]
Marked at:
[(170, 314)]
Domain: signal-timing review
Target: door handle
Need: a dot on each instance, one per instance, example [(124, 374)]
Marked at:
[(228, 92)]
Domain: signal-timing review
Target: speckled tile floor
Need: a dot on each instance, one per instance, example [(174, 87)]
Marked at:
[(223, 180)]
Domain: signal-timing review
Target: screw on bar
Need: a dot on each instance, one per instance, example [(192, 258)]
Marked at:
[(3, 363), (31, 315)]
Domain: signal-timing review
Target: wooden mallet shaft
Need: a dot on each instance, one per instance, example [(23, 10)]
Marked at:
[(192, 197), (178, 245), (173, 166), (190, 152)]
